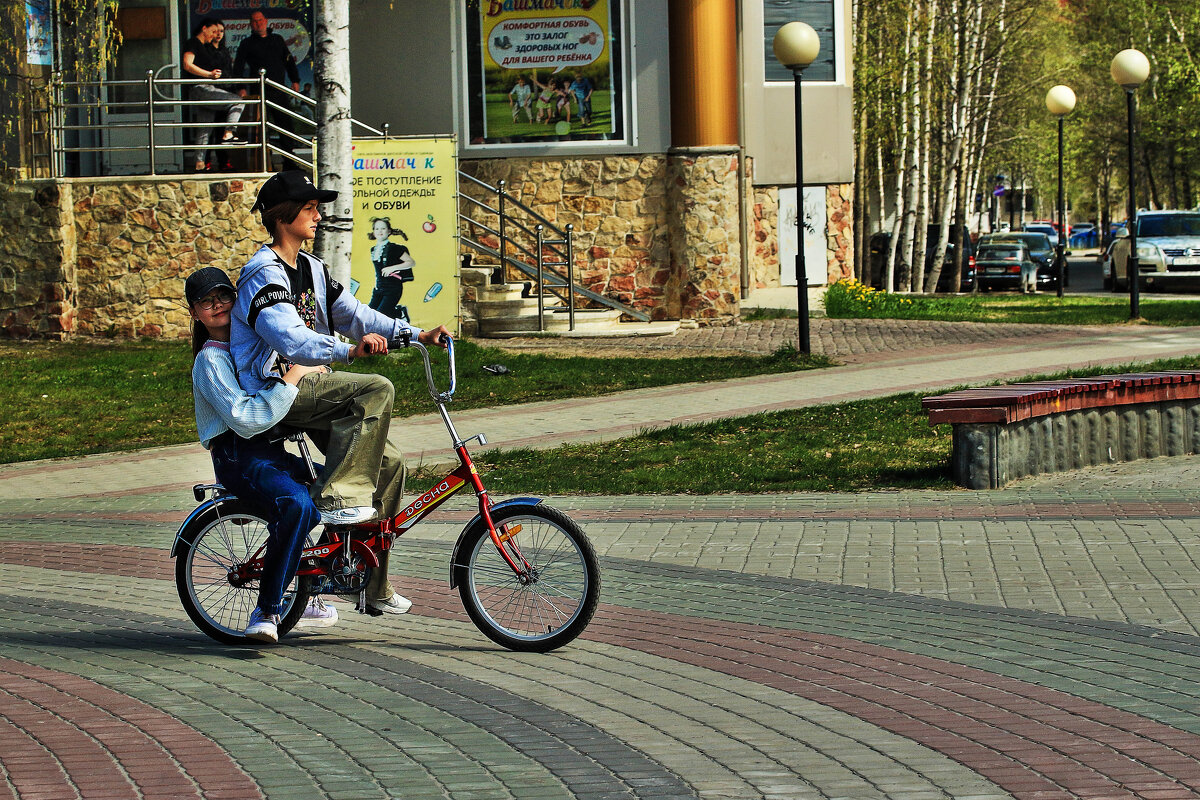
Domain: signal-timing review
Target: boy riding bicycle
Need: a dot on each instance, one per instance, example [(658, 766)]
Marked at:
[(288, 309)]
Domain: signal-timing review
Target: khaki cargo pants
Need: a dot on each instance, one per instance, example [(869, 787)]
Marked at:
[(347, 416)]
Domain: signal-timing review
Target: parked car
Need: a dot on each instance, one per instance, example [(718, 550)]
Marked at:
[(1044, 227), (1083, 234), (879, 244), (1105, 258), (1168, 244), (1039, 248), (998, 265)]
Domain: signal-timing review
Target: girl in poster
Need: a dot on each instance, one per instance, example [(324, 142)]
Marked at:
[(393, 268)]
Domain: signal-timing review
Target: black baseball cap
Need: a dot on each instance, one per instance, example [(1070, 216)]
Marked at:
[(291, 184), (203, 281)]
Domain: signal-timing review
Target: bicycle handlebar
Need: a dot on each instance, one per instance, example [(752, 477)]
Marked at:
[(405, 340)]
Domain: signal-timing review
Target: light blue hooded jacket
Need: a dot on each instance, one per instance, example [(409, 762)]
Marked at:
[(267, 324)]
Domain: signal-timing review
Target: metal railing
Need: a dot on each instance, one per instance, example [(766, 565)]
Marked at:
[(530, 244), (74, 129)]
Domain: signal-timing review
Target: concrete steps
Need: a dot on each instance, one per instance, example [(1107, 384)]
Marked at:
[(500, 312)]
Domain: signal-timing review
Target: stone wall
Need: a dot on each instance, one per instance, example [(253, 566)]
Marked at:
[(37, 261), (617, 207), (763, 232), (658, 232), (109, 256)]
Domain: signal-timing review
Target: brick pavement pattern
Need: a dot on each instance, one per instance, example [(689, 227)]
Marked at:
[(1040, 641)]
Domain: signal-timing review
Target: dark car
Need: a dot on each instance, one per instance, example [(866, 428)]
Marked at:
[(1039, 247), (880, 242), (998, 265)]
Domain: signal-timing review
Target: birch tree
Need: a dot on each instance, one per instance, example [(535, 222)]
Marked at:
[(960, 81), (331, 78)]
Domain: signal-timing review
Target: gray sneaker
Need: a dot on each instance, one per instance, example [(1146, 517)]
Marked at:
[(348, 516)]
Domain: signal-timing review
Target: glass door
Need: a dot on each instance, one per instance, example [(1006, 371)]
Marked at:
[(150, 43)]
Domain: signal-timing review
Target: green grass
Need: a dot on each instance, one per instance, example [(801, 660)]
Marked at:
[(883, 443), (761, 314), (68, 399), (86, 397), (851, 300)]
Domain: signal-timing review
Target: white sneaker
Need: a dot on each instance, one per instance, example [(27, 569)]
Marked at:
[(348, 516), (262, 627), (318, 614), (396, 604)]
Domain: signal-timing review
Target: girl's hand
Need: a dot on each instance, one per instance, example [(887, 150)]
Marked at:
[(298, 371)]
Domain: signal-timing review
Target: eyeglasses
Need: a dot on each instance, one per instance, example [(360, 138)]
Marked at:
[(223, 296)]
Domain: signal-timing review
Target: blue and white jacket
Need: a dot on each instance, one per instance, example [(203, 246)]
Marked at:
[(290, 315), (222, 405)]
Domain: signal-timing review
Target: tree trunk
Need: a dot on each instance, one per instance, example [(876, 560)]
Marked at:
[(1151, 184), (331, 76), (912, 178), (861, 181), (895, 252), (925, 167)]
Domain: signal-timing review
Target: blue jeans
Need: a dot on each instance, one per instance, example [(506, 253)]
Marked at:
[(271, 480)]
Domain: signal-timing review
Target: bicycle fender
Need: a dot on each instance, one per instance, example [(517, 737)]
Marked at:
[(199, 510), (512, 501)]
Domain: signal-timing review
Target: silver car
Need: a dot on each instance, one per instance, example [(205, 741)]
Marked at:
[(1168, 244)]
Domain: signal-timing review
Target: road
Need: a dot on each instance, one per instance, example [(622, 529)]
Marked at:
[(1085, 278)]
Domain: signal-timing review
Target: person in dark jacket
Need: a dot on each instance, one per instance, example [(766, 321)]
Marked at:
[(201, 59), (266, 50)]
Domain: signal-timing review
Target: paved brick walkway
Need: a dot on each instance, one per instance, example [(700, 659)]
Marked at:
[(1040, 641), (851, 341)]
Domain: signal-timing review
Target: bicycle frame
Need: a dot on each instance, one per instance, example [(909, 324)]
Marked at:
[(376, 536)]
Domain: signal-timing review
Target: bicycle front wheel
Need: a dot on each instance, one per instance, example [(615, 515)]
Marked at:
[(224, 537), (548, 606)]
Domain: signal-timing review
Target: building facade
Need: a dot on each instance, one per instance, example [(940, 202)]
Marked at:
[(660, 130)]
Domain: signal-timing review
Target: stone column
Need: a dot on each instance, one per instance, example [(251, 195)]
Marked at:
[(702, 209)]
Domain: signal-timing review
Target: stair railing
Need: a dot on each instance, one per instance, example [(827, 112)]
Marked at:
[(549, 260)]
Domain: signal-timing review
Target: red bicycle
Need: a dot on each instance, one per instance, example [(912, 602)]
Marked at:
[(526, 573)]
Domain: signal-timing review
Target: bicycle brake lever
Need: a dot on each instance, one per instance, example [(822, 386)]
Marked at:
[(401, 341)]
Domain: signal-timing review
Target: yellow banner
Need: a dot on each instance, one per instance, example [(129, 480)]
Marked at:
[(404, 262)]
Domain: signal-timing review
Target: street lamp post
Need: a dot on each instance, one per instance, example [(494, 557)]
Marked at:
[(796, 46), (1130, 68), (1060, 101)]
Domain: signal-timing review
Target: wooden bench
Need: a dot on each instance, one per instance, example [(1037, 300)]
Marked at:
[(1002, 433)]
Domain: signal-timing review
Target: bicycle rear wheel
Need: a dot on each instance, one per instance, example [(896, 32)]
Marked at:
[(550, 607), (226, 535)]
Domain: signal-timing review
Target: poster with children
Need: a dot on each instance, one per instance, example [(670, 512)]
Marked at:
[(546, 73), (403, 260)]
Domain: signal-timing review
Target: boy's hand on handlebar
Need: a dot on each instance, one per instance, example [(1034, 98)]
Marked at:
[(437, 336), (371, 345)]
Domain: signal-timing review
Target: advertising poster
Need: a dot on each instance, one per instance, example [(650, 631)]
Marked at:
[(544, 71), (404, 260), (816, 258), (37, 34)]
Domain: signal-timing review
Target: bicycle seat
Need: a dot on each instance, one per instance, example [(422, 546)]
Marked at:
[(280, 432)]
